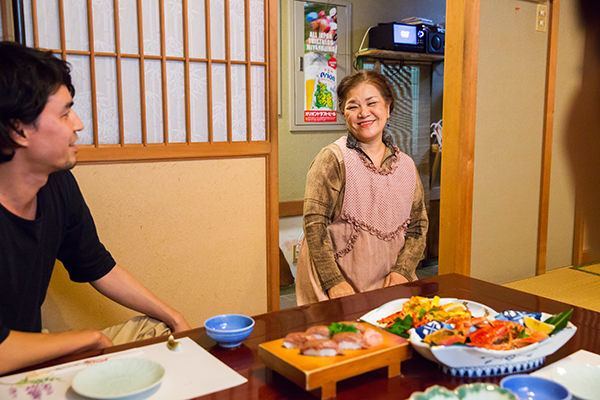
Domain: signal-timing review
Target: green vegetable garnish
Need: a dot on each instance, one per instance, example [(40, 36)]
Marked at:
[(559, 320), (401, 326), (338, 327), (523, 334), (422, 313)]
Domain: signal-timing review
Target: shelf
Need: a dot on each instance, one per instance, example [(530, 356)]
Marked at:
[(400, 55)]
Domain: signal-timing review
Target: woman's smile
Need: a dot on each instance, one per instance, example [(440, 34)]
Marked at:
[(366, 113)]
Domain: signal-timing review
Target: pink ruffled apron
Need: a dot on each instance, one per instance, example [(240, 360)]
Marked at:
[(368, 234)]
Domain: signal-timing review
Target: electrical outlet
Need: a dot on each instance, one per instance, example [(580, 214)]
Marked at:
[(541, 18), (295, 253)]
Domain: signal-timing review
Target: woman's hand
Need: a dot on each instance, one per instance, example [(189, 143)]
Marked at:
[(340, 290), (394, 278)]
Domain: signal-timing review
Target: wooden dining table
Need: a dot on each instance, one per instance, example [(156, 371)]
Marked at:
[(417, 374)]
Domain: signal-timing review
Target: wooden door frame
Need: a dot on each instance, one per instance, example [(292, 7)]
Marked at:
[(272, 160), (459, 111), (459, 116)]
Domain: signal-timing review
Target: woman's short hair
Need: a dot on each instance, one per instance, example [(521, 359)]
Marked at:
[(363, 76), (27, 78)]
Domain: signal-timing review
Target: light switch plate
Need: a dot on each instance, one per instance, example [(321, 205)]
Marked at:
[(541, 18)]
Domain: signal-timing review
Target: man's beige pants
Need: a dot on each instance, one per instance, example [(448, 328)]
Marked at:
[(137, 328)]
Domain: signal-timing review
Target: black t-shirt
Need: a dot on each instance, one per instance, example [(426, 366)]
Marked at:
[(63, 229)]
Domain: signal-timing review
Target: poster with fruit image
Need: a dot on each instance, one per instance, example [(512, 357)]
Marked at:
[(320, 64)]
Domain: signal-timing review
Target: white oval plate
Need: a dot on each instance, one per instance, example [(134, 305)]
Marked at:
[(579, 372), (477, 309), (115, 379)]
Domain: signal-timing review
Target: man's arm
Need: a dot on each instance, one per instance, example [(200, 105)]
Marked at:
[(120, 286), (21, 349)]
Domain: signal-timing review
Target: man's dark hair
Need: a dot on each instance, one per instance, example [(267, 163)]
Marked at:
[(27, 78)]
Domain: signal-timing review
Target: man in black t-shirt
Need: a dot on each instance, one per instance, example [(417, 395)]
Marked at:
[(43, 216)]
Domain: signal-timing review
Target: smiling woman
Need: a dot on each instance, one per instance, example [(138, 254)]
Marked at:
[(364, 213)]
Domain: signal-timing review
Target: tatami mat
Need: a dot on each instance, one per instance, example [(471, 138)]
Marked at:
[(577, 286), (591, 269)]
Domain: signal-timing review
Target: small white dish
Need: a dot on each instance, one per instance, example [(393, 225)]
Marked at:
[(579, 372), (118, 378), (471, 391)]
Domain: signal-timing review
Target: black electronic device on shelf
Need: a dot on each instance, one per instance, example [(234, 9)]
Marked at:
[(416, 38), (436, 40)]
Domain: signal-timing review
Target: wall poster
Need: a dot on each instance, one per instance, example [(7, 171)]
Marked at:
[(320, 58), (320, 62)]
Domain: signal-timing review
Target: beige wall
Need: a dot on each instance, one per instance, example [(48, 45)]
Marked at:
[(296, 150), (192, 231), (508, 143)]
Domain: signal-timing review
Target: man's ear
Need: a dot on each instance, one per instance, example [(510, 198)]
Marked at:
[(19, 133)]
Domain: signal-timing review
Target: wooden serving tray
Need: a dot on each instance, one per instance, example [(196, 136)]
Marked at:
[(311, 372)]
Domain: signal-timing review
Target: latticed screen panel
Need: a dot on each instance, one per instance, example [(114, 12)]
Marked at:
[(166, 72)]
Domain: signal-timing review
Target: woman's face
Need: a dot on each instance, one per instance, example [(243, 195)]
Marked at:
[(366, 113)]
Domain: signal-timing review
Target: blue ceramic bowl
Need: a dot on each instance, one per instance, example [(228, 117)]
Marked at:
[(528, 387), (229, 330)]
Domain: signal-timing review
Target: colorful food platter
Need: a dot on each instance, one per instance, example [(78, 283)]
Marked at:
[(394, 306), (481, 351)]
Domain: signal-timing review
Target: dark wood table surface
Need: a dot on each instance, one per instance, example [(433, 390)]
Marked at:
[(417, 373)]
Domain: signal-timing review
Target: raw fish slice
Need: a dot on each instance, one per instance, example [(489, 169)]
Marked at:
[(294, 340), (320, 348), (348, 340)]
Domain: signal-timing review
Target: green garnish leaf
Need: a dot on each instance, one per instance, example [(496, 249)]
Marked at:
[(401, 326), (559, 320), (522, 334), (422, 313), (338, 327)]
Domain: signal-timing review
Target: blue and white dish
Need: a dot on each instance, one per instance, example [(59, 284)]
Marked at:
[(471, 391), (118, 379), (528, 387), (229, 330), (517, 316), (467, 361), (431, 327)]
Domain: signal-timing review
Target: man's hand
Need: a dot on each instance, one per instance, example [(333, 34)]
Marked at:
[(123, 288), (394, 278), (22, 349), (102, 341), (340, 290), (179, 324)]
